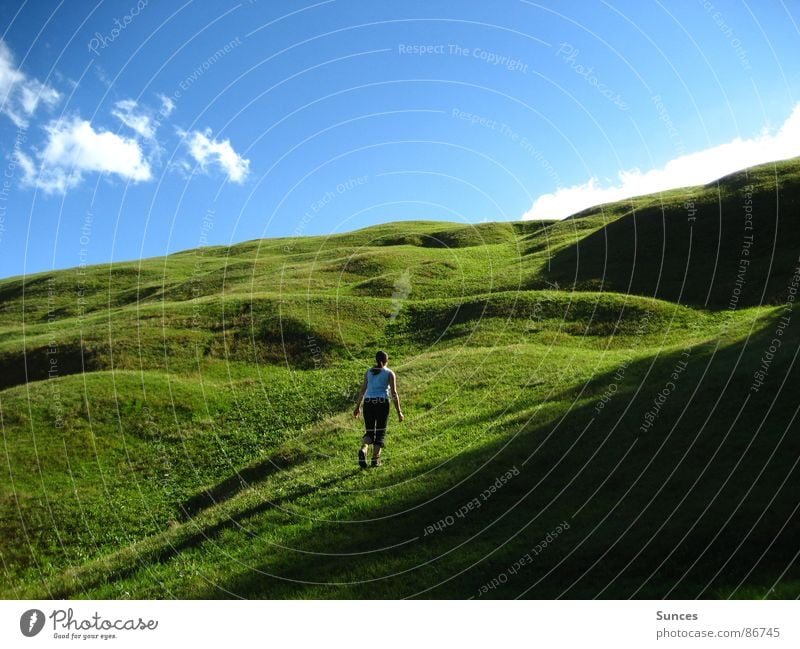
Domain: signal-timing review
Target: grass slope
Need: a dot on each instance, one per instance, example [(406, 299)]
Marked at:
[(179, 427)]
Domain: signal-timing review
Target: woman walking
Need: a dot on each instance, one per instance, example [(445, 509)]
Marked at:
[(379, 386)]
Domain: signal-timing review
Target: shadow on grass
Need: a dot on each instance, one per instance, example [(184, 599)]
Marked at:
[(242, 479), (696, 505), (649, 252), (101, 573)]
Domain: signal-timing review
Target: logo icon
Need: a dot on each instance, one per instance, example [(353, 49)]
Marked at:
[(31, 622)]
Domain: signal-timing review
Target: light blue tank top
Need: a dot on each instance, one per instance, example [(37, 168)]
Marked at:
[(378, 384)]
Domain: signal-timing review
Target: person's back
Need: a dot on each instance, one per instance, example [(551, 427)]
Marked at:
[(377, 390), (378, 383)]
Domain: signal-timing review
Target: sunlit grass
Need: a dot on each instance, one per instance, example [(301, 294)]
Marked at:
[(196, 437)]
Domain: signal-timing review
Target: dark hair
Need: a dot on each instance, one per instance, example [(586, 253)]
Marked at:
[(380, 358)]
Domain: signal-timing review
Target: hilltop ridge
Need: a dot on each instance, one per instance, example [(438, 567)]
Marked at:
[(181, 426)]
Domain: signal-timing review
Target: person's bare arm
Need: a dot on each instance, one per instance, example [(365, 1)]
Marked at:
[(395, 396), (361, 394)]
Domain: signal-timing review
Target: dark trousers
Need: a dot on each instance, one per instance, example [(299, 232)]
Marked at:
[(376, 414)]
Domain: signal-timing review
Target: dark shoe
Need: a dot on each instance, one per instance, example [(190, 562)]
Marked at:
[(362, 459), (376, 461)]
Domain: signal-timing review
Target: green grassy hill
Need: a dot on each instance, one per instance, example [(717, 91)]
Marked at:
[(598, 407)]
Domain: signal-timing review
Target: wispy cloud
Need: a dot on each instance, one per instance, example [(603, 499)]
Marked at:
[(692, 169), (20, 95), (74, 147), (206, 151), (167, 105), (129, 113)]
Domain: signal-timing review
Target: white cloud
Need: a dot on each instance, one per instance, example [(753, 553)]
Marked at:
[(28, 166), (206, 150), (167, 105), (54, 180), (128, 112), (74, 148), (20, 96), (696, 168)]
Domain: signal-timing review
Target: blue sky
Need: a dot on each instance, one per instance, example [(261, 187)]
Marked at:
[(133, 130)]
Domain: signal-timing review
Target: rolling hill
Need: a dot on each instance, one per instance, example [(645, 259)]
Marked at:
[(596, 407)]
